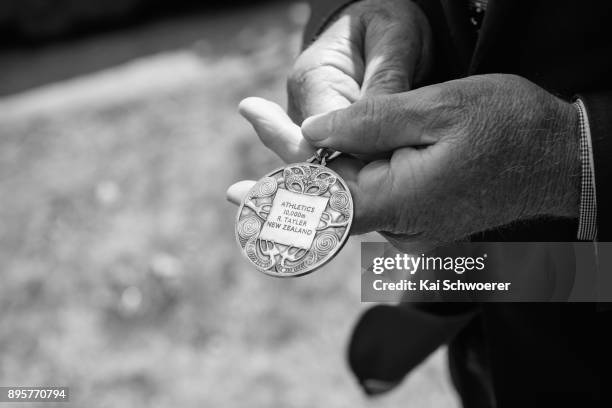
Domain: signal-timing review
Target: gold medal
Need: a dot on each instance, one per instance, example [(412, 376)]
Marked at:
[(296, 218)]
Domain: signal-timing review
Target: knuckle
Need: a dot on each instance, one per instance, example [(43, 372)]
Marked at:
[(409, 214), (447, 107), (302, 67), (334, 125), (298, 84), (391, 79), (367, 117), (372, 123), (296, 78)]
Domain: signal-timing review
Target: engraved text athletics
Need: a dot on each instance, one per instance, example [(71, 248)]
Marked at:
[(293, 219)]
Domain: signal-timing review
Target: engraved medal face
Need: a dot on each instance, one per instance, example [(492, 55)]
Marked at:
[(294, 220)]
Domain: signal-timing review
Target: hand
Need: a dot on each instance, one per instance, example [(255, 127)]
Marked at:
[(372, 48), (466, 156), (277, 132)]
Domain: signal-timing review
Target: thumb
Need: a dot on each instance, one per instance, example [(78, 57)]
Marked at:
[(237, 191), (275, 129), (370, 126)]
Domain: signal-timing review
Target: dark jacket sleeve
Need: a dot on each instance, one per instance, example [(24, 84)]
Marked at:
[(321, 12), (599, 112)]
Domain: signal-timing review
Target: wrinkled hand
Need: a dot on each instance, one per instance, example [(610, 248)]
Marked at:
[(279, 134), (466, 156), (373, 47)]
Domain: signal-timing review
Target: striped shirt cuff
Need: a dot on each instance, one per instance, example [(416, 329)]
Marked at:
[(587, 223)]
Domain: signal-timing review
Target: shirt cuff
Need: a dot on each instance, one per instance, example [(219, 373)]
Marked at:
[(587, 222)]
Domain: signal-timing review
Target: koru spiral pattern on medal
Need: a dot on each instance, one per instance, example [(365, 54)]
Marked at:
[(332, 231)]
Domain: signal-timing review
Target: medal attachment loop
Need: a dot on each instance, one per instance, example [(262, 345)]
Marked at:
[(323, 156)]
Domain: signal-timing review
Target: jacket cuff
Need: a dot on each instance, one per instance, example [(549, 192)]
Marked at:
[(599, 109)]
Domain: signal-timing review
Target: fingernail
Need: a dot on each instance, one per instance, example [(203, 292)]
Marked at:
[(314, 128)]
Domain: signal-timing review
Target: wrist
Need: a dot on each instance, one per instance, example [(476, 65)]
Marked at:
[(563, 198)]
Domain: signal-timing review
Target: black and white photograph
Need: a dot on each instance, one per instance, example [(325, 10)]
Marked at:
[(305, 204)]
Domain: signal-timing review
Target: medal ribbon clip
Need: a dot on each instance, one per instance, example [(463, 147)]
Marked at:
[(323, 156)]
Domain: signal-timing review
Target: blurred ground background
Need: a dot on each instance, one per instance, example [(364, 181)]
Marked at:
[(120, 276)]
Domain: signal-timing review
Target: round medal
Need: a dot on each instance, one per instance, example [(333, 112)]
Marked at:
[(295, 219)]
